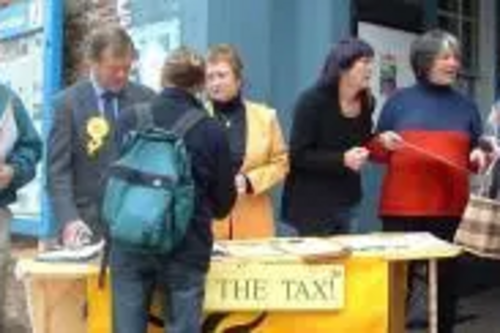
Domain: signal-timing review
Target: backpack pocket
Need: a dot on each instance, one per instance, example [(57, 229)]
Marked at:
[(137, 216)]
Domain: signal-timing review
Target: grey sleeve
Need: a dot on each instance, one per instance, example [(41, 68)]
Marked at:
[(59, 163)]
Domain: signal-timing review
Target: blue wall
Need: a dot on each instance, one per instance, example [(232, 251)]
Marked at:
[(247, 25), (303, 33), (283, 43)]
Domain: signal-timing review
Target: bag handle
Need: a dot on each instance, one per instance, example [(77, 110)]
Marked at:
[(436, 157), (187, 121), (483, 187), (483, 182)]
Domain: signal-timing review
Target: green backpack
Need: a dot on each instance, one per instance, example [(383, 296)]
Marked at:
[(149, 196)]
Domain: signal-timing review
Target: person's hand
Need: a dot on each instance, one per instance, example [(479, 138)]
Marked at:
[(355, 158), (391, 140), (479, 158), (489, 144), (76, 234), (6, 175), (241, 184)]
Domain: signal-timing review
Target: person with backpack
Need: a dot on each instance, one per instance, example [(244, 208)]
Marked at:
[(84, 137), (174, 254), (20, 151)]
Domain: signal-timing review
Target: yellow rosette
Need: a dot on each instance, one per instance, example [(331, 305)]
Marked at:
[(97, 130)]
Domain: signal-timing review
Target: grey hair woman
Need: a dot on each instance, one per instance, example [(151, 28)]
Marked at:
[(422, 194)]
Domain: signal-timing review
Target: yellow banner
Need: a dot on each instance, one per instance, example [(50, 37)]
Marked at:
[(364, 306), (275, 286), (365, 309)]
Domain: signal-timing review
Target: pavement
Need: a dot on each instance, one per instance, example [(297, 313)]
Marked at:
[(16, 315), (479, 289)]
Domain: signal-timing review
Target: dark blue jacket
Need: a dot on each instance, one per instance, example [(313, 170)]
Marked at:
[(208, 146), (27, 150)]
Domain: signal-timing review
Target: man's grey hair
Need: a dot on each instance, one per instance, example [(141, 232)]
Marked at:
[(425, 48), (113, 38)]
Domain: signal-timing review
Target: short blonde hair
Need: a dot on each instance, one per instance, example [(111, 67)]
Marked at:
[(228, 54), (183, 68)]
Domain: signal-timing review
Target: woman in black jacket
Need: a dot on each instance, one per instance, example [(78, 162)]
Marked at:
[(332, 123)]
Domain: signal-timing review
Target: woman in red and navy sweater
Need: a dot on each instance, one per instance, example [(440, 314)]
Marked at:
[(428, 138)]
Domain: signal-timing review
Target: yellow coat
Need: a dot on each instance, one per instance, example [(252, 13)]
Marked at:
[(265, 165)]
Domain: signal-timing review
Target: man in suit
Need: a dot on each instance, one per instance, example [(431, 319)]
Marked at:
[(84, 138)]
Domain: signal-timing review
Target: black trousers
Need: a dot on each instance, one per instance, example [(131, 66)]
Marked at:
[(444, 228)]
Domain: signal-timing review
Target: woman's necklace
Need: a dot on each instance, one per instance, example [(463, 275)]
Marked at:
[(223, 119)]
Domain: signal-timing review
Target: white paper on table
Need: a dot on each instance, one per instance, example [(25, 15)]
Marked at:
[(8, 131), (250, 248), (80, 254), (311, 247)]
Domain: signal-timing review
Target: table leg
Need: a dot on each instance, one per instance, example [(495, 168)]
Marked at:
[(433, 296), (397, 296), (56, 304)]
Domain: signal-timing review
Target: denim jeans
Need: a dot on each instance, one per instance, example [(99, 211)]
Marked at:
[(135, 277), (344, 221)]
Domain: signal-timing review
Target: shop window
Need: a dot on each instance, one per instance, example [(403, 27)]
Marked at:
[(461, 17)]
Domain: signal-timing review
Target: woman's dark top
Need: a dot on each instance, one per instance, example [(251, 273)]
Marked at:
[(318, 182)]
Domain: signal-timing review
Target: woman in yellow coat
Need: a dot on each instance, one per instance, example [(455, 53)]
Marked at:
[(259, 154)]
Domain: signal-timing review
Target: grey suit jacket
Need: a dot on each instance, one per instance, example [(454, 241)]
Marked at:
[(74, 179)]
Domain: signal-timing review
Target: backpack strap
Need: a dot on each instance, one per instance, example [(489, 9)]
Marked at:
[(187, 121), (144, 116)]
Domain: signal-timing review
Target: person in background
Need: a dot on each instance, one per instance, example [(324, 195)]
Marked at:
[(332, 123), (20, 152), (259, 154), (84, 138), (428, 136), (491, 140), (180, 274)]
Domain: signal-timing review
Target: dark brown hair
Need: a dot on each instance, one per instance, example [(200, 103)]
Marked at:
[(342, 58), (112, 37), (183, 68)]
